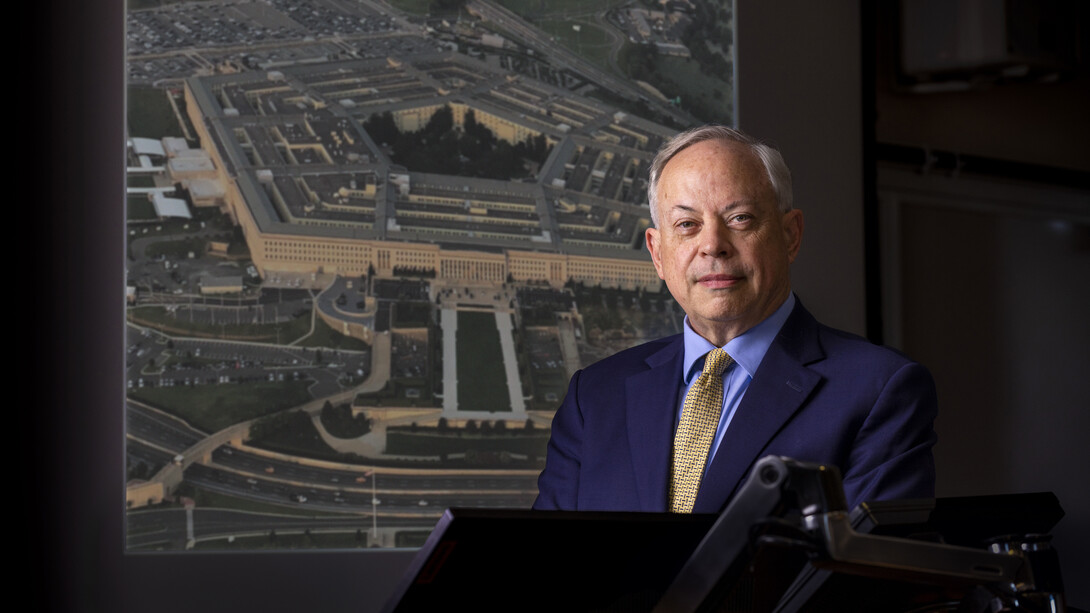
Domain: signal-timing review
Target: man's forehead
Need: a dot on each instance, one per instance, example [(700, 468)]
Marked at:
[(716, 164)]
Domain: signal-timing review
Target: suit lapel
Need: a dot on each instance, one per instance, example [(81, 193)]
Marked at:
[(778, 389), (652, 403)]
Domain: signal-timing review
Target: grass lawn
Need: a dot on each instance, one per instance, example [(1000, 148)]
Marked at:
[(591, 42), (414, 7), (138, 180), (158, 318), (150, 114), (207, 499), (294, 540), (482, 381), (214, 407), (324, 336), (411, 314), (177, 249), (401, 442), (397, 393), (147, 4), (293, 433), (140, 209), (558, 8), (707, 97)]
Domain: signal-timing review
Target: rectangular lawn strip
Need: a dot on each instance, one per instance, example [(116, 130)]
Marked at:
[(482, 381), (214, 407)]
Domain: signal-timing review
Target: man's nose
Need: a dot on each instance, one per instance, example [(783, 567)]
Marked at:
[(715, 240)]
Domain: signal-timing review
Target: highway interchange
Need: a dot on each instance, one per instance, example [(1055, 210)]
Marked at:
[(310, 496)]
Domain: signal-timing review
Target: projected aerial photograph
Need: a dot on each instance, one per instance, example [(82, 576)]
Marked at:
[(369, 242)]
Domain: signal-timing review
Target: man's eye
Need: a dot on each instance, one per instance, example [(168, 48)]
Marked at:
[(742, 218), (686, 224)]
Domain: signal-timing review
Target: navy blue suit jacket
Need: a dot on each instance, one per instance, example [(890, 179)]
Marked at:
[(819, 395)]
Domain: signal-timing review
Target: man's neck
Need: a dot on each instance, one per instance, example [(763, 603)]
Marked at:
[(748, 348)]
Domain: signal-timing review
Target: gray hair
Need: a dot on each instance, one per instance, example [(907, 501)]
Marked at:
[(778, 173)]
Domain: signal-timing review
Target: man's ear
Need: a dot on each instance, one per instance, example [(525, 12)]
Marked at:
[(792, 233), (651, 237)]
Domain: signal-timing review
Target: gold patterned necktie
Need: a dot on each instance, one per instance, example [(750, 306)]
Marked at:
[(699, 421)]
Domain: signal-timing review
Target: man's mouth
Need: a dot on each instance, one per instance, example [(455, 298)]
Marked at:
[(719, 280)]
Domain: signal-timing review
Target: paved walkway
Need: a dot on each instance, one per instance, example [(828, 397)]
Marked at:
[(448, 321), (511, 364), (569, 347)]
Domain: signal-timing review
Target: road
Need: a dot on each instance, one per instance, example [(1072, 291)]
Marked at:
[(562, 57), (313, 495)]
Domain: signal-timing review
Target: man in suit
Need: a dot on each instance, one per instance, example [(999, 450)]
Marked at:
[(725, 233)]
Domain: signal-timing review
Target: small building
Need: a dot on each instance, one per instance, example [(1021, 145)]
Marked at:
[(205, 192), (492, 40), (174, 145), (147, 146), (221, 285), (192, 164), (169, 207)]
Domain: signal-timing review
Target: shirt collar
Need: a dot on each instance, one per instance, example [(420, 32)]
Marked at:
[(748, 349)]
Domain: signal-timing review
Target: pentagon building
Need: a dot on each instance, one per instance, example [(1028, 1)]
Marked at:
[(314, 193)]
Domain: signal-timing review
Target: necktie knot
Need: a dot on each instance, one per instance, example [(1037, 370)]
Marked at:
[(715, 362)]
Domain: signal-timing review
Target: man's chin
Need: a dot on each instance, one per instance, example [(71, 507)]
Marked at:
[(728, 317)]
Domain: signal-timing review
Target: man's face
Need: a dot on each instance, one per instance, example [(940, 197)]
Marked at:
[(722, 245)]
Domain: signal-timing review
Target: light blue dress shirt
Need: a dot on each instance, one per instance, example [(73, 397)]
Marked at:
[(748, 350)]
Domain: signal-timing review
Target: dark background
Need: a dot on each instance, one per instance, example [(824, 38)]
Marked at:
[(816, 78)]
